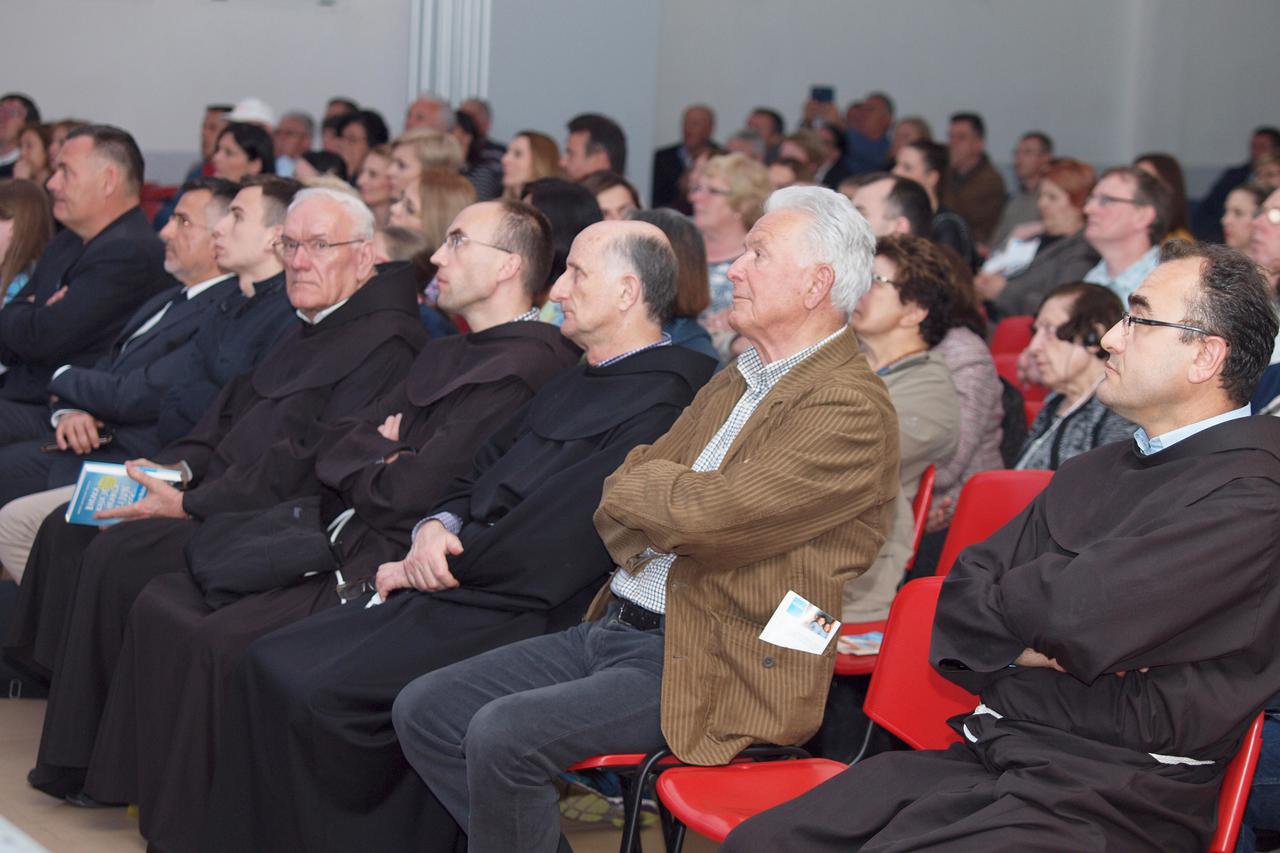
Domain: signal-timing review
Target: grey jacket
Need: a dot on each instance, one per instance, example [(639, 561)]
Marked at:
[(1061, 262)]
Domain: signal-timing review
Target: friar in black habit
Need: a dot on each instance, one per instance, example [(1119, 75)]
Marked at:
[(308, 758), (357, 336), (253, 573), (1121, 631)]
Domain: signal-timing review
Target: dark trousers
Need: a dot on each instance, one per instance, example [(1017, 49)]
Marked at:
[(489, 734)]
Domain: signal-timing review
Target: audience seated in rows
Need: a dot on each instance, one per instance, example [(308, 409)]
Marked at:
[(26, 227), (971, 185), (595, 142), (926, 163), (16, 112), (529, 157), (672, 165), (1127, 217), (1031, 156)]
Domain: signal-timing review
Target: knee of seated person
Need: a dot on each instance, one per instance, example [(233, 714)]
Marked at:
[(405, 716), (495, 732)]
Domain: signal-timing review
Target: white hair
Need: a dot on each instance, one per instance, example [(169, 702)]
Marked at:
[(359, 214), (838, 235)]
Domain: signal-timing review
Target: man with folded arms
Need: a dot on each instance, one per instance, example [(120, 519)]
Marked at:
[(356, 337), (307, 757), (90, 279), (1120, 632), (251, 573), (779, 478)]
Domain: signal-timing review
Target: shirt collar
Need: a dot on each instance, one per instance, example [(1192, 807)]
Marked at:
[(320, 315), (759, 374), (664, 341), (1148, 446), (196, 289)]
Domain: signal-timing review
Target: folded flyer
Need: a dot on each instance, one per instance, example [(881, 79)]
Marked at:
[(107, 485)]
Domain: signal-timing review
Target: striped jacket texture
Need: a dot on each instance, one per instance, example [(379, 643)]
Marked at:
[(802, 502)]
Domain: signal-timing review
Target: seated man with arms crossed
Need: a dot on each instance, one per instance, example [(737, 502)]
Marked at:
[(1120, 632), (779, 477)]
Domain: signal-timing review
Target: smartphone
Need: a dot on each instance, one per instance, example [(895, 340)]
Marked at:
[(104, 438), (822, 94)]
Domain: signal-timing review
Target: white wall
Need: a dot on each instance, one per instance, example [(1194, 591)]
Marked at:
[(151, 65), (1106, 78), (553, 59)]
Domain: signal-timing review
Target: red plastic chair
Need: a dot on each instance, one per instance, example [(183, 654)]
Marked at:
[(1007, 367), (1031, 408), (1012, 334), (1234, 794), (988, 501), (153, 197), (849, 664)]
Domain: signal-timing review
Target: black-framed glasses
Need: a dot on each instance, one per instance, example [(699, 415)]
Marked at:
[(456, 240), (1127, 322), (315, 248)]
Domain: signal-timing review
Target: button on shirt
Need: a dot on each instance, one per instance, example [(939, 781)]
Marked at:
[(648, 586)]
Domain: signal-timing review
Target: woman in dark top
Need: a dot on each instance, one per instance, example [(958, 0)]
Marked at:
[(243, 150), (1067, 354), (925, 162)]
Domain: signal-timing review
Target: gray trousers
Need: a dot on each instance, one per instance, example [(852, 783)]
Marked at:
[(488, 735)]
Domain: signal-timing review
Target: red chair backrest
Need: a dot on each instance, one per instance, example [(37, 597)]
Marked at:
[(988, 501), (1032, 408), (1007, 367), (1234, 793), (1012, 334), (907, 696), (920, 509)]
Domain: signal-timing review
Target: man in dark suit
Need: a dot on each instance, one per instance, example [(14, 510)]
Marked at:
[(108, 396), (90, 279), (671, 163)]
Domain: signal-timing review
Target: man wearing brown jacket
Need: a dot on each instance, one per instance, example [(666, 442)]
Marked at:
[(778, 478)]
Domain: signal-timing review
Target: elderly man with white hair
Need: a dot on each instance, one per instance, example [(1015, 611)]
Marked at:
[(357, 335), (776, 482)]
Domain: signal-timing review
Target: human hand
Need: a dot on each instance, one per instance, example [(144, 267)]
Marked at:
[(989, 285), (162, 500), (939, 515), (56, 297), (78, 432), (426, 566), (390, 428), (1032, 658)]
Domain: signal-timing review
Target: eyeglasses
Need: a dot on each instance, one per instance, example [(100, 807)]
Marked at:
[(456, 240), (317, 249), (1127, 322), (707, 188), (1271, 214), (1105, 200), (879, 279)]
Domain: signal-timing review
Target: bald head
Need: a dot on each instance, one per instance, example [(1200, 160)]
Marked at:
[(618, 288)]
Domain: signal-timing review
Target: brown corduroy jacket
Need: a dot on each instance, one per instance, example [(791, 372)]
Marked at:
[(801, 502)]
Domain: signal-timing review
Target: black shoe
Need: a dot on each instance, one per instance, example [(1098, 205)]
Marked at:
[(82, 800), (57, 782)]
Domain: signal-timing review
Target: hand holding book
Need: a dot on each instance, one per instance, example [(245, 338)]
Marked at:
[(162, 500)]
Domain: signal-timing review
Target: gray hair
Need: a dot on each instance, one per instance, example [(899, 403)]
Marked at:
[(445, 120), (755, 140), (838, 235), (308, 123), (358, 213), (653, 261)]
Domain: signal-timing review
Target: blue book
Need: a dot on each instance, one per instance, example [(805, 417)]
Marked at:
[(106, 485)]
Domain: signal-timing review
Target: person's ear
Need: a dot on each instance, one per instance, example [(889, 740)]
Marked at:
[(629, 291), (1209, 360), (822, 280)]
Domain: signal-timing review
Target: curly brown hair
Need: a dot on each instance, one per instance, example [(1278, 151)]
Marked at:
[(924, 277)]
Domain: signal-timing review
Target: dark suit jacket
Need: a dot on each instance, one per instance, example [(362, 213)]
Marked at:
[(108, 278), (122, 389), (667, 169)]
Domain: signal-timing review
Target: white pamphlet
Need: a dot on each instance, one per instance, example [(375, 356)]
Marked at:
[(799, 625)]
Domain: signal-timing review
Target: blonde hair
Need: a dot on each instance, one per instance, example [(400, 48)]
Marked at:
[(748, 184), (544, 161), (434, 149), (443, 194)]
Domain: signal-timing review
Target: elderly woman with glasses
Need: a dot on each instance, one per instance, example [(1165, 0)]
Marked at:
[(1067, 353)]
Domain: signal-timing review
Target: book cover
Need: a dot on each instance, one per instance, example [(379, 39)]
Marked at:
[(106, 485)]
